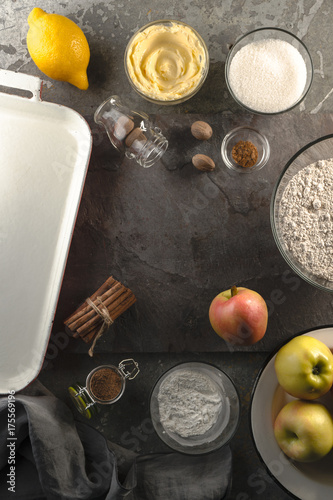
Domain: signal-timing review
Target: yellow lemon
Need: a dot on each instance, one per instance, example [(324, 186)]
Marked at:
[(58, 47)]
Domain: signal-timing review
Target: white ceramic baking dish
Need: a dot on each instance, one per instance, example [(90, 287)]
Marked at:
[(44, 155)]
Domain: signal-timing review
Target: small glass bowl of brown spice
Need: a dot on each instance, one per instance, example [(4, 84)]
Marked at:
[(245, 150), (104, 385)]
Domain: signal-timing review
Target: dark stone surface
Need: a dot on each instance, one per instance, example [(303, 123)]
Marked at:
[(177, 237), (174, 235), (127, 423)]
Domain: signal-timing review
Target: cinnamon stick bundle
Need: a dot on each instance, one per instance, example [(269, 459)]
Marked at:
[(110, 301)]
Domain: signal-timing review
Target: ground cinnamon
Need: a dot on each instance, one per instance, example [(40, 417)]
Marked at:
[(105, 384), (245, 154)]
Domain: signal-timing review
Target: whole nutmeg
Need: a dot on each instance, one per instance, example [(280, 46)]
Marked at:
[(201, 130), (136, 136), (203, 163), (123, 127)]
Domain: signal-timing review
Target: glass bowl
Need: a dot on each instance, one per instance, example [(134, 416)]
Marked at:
[(220, 433), (321, 149), (163, 59), (268, 68), (245, 134)]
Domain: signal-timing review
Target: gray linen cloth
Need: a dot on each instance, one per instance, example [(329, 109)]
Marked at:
[(58, 458)]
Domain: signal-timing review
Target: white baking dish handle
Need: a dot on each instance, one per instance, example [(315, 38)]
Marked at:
[(22, 81)]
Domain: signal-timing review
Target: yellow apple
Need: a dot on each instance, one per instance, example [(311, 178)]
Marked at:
[(304, 367), (304, 430)]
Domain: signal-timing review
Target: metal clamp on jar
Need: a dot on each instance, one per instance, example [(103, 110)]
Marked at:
[(104, 385), (131, 132)]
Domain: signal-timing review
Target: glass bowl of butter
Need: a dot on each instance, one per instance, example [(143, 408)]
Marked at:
[(166, 62)]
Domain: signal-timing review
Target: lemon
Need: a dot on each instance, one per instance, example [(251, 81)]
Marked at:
[(58, 47)]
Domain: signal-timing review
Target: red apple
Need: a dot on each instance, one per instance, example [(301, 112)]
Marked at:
[(239, 316)]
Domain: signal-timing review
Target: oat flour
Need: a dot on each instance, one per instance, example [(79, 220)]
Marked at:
[(306, 218)]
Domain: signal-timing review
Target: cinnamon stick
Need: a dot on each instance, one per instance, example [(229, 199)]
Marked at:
[(89, 334), (110, 303), (86, 322), (108, 288), (90, 315)]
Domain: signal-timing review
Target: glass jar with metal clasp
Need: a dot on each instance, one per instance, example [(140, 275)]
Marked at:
[(104, 385)]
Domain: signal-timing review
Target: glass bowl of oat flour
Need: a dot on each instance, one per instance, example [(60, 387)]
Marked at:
[(194, 408), (268, 71), (302, 213)]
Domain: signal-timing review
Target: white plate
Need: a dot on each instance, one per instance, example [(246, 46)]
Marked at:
[(312, 481)]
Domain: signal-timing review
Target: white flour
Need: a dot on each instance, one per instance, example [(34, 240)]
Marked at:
[(189, 403), (306, 218)]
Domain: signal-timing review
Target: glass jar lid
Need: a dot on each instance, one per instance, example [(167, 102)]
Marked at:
[(82, 400)]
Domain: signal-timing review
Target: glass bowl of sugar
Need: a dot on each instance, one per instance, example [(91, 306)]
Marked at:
[(301, 213), (195, 408), (268, 71)]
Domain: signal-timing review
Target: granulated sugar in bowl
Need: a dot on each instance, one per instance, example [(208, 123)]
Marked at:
[(269, 71)]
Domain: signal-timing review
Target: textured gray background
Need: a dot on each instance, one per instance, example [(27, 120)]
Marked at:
[(174, 235)]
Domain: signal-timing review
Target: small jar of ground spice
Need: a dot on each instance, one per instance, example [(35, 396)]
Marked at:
[(104, 385), (245, 150)]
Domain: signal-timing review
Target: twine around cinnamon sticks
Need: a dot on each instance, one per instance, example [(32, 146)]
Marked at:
[(99, 311)]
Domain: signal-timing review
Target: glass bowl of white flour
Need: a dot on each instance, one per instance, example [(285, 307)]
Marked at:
[(268, 71), (195, 408), (302, 213)]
